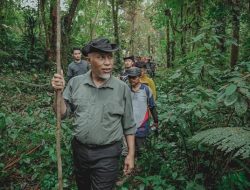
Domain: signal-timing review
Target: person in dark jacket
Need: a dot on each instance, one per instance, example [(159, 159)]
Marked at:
[(78, 66), (128, 63)]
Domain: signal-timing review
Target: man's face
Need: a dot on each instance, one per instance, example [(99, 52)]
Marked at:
[(128, 63), (77, 55), (143, 71), (144, 59), (101, 64), (134, 80)]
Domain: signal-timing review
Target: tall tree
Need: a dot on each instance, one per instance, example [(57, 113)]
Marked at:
[(92, 22), (197, 19), (235, 31), (66, 27), (52, 29), (132, 12), (183, 33), (149, 45), (169, 47), (220, 28), (115, 9), (67, 23), (48, 54)]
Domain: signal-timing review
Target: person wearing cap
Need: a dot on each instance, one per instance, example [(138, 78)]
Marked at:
[(148, 64), (102, 108), (143, 104), (144, 79), (152, 66), (78, 66), (128, 63)]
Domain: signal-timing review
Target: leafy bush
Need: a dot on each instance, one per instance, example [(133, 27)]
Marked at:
[(27, 129)]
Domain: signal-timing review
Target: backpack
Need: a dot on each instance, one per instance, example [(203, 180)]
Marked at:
[(146, 88)]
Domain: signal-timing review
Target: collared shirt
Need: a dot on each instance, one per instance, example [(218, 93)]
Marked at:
[(75, 69), (149, 82), (101, 115)]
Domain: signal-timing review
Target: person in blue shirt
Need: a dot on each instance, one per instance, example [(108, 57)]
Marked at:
[(143, 106)]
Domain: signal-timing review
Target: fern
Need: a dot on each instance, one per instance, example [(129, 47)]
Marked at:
[(235, 140)]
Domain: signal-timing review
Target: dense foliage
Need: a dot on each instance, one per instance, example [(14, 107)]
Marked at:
[(203, 76)]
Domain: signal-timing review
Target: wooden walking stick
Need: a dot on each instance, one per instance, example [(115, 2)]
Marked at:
[(58, 96)]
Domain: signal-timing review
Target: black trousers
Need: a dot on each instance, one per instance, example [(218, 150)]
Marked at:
[(139, 144), (96, 168)]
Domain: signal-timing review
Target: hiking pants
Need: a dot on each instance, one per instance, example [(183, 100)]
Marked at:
[(96, 167)]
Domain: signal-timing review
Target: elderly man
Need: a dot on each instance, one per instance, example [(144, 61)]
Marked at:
[(102, 109)]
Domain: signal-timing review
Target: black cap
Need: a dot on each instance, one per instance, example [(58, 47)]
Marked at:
[(140, 65), (129, 57), (99, 45), (133, 72)]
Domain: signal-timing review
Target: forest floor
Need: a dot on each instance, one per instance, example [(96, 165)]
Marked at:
[(27, 126)]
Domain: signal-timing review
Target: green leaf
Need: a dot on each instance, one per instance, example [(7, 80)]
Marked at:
[(174, 175), (241, 106), (202, 147), (221, 96), (141, 187), (230, 100), (199, 37), (230, 89), (26, 160), (225, 139), (198, 113), (208, 46), (245, 92), (216, 39), (176, 75)]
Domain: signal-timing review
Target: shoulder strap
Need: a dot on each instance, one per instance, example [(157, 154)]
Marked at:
[(146, 88), (147, 91)]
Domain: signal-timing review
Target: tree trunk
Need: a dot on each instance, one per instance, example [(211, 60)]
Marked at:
[(58, 97), (149, 45), (52, 30), (67, 22), (93, 22), (168, 45), (183, 46), (115, 9), (48, 53), (132, 35), (220, 29), (235, 31), (198, 16), (172, 40), (172, 52)]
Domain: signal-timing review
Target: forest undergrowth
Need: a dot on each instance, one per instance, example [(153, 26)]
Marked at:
[(203, 85), (192, 99)]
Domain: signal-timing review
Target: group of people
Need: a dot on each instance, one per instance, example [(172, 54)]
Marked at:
[(106, 109)]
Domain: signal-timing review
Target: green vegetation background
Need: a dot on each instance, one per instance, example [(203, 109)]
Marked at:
[(203, 96)]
